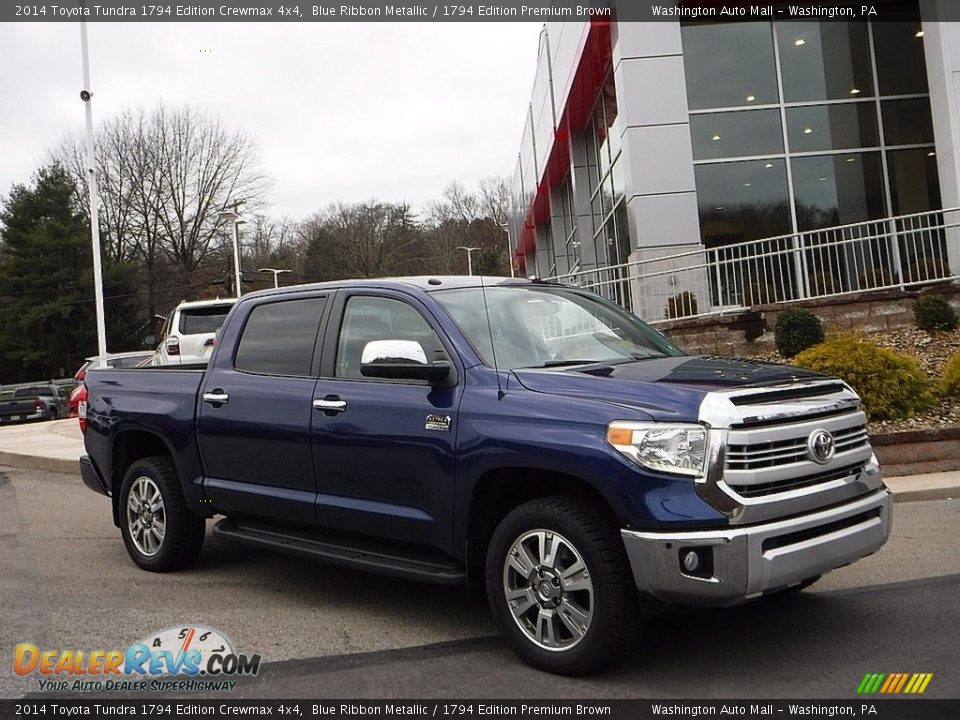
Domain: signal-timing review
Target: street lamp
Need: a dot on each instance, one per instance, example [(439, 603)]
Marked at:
[(470, 252), (506, 228), (86, 95), (231, 216), (275, 272)]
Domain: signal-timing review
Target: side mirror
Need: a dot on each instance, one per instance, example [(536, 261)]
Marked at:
[(401, 360)]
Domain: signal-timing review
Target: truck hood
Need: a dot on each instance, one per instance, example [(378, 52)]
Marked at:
[(668, 388)]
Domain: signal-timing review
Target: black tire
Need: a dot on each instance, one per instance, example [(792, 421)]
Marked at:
[(183, 533), (593, 531)]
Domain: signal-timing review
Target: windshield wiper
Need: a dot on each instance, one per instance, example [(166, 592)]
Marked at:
[(564, 363)]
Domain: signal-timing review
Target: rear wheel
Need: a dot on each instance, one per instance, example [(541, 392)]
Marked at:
[(158, 529), (560, 586)]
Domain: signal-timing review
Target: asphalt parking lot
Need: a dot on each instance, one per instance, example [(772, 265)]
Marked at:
[(66, 582)]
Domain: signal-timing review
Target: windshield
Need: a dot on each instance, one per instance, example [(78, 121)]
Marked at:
[(540, 327)]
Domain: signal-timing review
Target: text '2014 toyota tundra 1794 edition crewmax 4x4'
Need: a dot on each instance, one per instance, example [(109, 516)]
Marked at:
[(527, 439)]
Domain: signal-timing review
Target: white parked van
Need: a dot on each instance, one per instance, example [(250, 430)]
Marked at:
[(189, 333)]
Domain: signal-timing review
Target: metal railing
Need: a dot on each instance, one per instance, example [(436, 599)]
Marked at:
[(905, 251)]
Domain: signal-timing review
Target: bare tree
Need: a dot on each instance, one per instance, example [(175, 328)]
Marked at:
[(370, 239), (164, 175), (472, 219)]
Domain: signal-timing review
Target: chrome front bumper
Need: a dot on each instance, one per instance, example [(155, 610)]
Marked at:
[(740, 563)]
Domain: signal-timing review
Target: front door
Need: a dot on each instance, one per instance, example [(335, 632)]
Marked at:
[(384, 449)]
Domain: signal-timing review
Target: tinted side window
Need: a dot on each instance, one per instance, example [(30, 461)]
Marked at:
[(379, 318), (278, 338)]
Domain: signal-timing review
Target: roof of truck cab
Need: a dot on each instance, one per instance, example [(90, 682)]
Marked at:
[(427, 283)]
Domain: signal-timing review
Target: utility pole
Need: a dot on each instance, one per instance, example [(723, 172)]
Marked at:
[(234, 217), (86, 96)]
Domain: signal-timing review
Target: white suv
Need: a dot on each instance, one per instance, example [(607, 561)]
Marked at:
[(189, 334)]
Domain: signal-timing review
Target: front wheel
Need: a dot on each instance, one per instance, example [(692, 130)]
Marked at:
[(158, 529), (560, 586)]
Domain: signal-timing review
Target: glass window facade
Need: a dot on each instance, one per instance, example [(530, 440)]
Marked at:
[(803, 125), (605, 170)]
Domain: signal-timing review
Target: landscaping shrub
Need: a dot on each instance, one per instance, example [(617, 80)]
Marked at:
[(682, 305), (796, 330), (950, 382), (933, 312), (891, 385)]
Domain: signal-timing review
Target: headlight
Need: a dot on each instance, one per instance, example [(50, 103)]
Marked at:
[(677, 449)]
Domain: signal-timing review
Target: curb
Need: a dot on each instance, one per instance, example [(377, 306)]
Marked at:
[(34, 462)]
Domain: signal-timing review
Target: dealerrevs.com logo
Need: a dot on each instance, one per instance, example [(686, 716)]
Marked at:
[(179, 659)]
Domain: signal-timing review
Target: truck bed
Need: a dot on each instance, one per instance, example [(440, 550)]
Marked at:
[(158, 400)]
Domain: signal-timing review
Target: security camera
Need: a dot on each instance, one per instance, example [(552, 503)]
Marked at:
[(85, 95)]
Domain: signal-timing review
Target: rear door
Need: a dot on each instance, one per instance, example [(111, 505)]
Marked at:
[(384, 449), (256, 409)]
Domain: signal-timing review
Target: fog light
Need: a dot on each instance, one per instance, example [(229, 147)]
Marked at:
[(691, 561)]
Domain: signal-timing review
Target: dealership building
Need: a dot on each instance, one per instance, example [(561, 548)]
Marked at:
[(689, 167)]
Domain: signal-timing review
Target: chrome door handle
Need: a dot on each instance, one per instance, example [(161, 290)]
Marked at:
[(216, 398), (330, 405)]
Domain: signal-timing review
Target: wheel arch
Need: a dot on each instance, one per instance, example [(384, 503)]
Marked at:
[(497, 492), (128, 447)]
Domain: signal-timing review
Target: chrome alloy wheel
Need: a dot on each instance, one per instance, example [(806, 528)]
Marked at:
[(146, 516), (548, 589)]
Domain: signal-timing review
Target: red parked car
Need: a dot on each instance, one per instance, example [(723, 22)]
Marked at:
[(114, 360)]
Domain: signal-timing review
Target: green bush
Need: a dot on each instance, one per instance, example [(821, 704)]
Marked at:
[(891, 385), (933, 312), (796, 330), (682, 305), (950, 382)]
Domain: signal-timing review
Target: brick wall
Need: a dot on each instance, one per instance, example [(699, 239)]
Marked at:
[(751, 332)]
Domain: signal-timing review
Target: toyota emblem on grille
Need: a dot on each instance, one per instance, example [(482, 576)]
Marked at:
[(820, 446)]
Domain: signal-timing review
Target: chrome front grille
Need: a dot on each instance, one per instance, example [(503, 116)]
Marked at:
[(772, 453), (772, 488), (762, 468)]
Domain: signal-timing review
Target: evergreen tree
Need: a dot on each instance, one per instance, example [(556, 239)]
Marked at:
[(47, 311)]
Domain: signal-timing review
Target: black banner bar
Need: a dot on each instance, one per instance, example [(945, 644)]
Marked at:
[(866, 707), (459, 11)]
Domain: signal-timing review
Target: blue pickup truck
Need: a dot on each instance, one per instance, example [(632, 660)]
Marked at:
[(531, 441)]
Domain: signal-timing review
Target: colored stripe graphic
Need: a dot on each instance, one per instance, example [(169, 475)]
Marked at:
[(894, 683)]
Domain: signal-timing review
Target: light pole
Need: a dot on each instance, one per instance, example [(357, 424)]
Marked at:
[(231, 216), (506, 228), (276, 273), (470, 252), (87, 96)]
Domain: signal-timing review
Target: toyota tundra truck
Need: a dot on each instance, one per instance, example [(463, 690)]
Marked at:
[(531, 441)]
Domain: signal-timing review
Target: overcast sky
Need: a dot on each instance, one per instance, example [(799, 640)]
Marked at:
[(341, 111)]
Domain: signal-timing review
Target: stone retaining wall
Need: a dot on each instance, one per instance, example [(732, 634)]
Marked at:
[(751, 332)]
